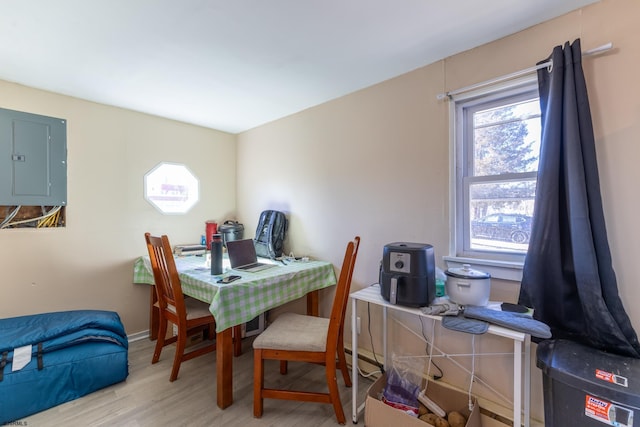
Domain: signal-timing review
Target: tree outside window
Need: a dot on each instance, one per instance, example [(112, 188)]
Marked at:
[(498, 151)]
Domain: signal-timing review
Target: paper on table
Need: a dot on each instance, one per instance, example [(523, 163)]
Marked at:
[(21, 357)]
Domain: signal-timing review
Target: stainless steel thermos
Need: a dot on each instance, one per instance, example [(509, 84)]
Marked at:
[(216, 254)]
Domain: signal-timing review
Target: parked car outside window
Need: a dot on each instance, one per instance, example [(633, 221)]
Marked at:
[(514, 228)]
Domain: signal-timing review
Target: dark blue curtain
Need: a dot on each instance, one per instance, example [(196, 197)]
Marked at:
[(568, 277)]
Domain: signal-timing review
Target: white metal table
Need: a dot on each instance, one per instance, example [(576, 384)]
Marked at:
[(521, 343)]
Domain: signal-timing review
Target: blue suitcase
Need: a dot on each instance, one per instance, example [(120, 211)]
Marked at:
[(73, 353)]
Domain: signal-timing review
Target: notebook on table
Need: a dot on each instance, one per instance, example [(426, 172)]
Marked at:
[(242, 256)]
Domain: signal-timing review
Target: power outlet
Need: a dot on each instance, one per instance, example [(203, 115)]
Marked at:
[(358, 324)]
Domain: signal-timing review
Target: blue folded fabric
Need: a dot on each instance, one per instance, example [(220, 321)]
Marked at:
[(54, 327), (516, 321), (463, 324), (73, 353)]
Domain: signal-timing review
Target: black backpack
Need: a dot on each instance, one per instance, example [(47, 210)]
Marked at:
[(270, 234)]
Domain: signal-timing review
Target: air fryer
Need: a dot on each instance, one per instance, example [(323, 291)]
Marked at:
[(408, 274)]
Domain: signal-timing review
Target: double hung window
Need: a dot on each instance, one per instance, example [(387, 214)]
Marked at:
[(497, 145)]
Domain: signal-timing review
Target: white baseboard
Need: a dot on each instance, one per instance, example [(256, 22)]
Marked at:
[(138, 336)]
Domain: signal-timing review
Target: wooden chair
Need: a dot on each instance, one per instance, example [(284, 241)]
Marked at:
[(188, 314), (302, 338)]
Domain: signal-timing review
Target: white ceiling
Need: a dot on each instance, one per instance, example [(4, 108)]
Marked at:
[(235, 64)]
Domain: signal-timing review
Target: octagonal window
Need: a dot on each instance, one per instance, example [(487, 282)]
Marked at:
[(171, 188)]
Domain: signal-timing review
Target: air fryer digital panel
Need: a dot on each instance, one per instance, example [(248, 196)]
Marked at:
[(399, 262)]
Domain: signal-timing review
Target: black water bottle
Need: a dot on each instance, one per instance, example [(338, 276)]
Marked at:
[(216, 254)]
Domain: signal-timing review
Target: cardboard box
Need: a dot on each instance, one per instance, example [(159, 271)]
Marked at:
[(379, 414)]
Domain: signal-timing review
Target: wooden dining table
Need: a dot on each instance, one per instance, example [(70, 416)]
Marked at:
[(240, 301)]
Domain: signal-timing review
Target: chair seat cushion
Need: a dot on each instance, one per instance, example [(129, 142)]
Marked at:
[(297, 332), (195, 308)]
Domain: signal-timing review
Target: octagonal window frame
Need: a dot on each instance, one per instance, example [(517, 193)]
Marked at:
[(171, 188)]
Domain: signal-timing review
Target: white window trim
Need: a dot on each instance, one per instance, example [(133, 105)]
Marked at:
[(499, 269)]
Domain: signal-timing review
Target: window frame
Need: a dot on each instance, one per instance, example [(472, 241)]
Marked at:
[(174, 175), (500, 265)]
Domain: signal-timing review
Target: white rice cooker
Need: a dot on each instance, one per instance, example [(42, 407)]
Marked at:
[(466, 286)]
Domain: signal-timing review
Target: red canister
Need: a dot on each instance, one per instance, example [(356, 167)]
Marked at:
[(210, 229)]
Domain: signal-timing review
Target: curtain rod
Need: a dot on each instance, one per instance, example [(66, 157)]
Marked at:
[(594, 51)]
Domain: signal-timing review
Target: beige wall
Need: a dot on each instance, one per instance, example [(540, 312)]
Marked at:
[(376, 163), (373, 163), (89, 263)]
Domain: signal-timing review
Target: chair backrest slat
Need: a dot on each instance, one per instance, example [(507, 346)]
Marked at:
[(165, 273), (339, 308)]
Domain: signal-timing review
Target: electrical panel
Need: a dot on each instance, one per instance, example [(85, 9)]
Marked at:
[(33, 159)]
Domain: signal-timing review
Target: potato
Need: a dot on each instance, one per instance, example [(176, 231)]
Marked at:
[(456, 419), (422, 409), (429, 418), (434, 420)]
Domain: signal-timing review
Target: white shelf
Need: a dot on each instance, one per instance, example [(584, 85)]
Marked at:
[(521, 343)]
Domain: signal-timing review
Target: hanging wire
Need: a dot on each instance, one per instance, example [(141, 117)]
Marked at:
[(429, 350), (452, 358), (430, 362), (473, 369), (53, 211), (10, 217), (50, 219), (373, 351)]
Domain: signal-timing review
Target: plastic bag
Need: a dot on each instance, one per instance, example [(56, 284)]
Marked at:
[(403, 385)]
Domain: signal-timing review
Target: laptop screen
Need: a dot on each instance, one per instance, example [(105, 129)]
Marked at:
[(241, 252)]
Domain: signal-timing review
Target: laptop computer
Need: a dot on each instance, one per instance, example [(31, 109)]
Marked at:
[(242, 256)]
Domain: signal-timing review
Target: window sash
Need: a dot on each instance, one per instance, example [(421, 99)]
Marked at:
[(462, 109)]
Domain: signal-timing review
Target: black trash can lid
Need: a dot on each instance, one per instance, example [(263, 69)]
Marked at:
[(585, 368)]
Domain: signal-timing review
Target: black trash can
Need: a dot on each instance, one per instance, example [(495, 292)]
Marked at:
[(585, 387)]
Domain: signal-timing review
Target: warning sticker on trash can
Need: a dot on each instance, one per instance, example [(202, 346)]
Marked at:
[(611, 378), (607, 412)]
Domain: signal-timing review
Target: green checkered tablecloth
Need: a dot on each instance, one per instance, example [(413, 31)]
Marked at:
[(244, 299)]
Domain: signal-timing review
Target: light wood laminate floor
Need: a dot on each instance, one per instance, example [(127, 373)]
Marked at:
[(147, 398)]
